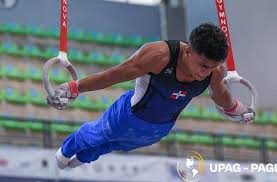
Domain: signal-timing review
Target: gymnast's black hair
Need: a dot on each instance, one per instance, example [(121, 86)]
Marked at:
[(209, 40)]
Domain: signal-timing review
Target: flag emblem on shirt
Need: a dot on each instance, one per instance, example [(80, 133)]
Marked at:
[(176, 95)]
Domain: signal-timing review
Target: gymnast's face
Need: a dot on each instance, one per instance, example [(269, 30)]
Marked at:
[(198, 65)]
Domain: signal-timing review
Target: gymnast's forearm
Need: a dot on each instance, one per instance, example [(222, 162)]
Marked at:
[(224, 100), (106, 78), (92, 82)]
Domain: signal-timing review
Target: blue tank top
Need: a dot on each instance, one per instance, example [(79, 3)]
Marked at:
[(160, 98)]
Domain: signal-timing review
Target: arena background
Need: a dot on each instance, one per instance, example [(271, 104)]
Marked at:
[(102, 34)]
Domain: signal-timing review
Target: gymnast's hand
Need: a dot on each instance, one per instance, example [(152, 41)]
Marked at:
[(64, 94), (241, 112)]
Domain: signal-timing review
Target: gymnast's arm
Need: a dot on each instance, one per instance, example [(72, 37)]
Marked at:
[(150, 58), (229, 106), (219, 93)]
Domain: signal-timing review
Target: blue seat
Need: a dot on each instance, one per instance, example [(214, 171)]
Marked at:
[(116, 58), (97, 37), (1, 48), (13, 96), (50, 52), (31, 50), (118, 39), (54, 32), (135, 40), (96, 57), (58, 75), (12, 27), (211, 113), (34, 73), (75, 34), (77, 56), (11, 48), (37, 30), (36, 98), (13, 72), (191, 111)]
